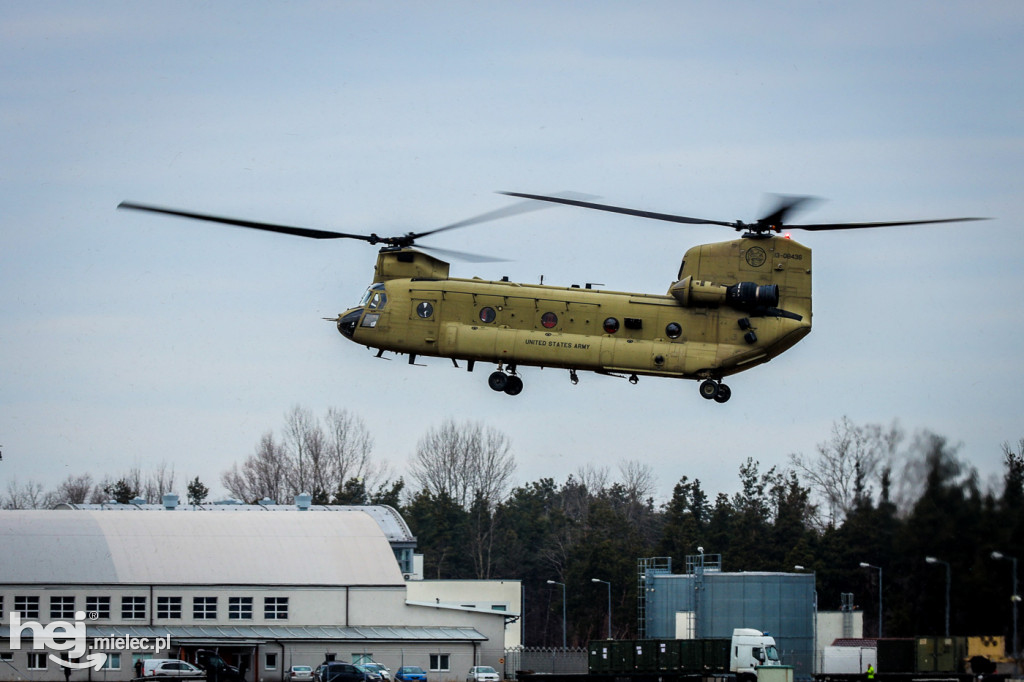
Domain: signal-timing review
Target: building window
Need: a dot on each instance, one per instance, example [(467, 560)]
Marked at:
[(168, 607), (270, 662), (133, 608), (6, 656), (362, 657), (28, 607), (36, 661), (97, 607), (275, 608), (240, 608), (439, 663), (204, 608), (1, 606), (62, 608), (113, 662)]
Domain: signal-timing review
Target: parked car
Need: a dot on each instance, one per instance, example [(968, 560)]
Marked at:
[(339, 671), (410, 673), (171, 667), (380, 669), (217, 669), (483, 673), (300, 673)]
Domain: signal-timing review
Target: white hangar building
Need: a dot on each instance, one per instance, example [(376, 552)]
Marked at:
[(264, 589)]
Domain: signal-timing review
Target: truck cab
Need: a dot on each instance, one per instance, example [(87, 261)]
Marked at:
[(750, 649)]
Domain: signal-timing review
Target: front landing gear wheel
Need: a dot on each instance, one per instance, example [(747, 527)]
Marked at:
[(514, 385), (708, 389), (498, 381)]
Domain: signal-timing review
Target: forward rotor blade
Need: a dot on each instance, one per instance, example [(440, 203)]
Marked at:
[(462, 255), (625, 211), (267, 227), (857, 226), (504, 212)]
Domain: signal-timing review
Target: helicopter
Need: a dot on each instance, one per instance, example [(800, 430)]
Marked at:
[(733, 305)]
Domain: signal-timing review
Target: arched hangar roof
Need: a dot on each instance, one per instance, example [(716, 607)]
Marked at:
[(126, 547)]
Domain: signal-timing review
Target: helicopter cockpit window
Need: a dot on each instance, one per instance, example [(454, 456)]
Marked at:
[(378, 300), (487, 315), (374, 288), (425, 309)]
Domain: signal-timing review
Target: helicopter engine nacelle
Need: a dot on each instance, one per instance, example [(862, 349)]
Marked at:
[(743, 296)]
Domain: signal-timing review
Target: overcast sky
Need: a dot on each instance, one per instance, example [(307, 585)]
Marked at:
[(131, 340)]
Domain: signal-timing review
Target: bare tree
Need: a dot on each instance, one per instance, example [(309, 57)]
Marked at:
[(75, 489), (847, 463), (158, 483), (262, 475), (465, 461), (349, 448), (312, 456), (304, 441), (638, 480), (27, 496)]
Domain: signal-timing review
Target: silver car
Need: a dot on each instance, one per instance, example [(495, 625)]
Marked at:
[(483, 673)]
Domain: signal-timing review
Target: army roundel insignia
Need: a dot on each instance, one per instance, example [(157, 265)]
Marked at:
[(756, 257)]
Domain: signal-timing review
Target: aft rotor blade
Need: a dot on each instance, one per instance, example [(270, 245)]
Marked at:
[(857, 226), (625, 211), (268, 227), (784, 206)]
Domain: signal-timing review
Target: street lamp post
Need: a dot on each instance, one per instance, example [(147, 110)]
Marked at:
[(555, 582), (595, 580), (879, 569), (949, 579), (1015, 599)]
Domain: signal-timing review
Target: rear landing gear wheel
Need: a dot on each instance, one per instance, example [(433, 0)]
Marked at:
[(708, 389), (498, 381), (724, 393), (514, 385)]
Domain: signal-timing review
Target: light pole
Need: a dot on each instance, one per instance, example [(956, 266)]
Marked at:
[(949, 579), (555, 582), (1015, 598), (595, 580), (879, 569)]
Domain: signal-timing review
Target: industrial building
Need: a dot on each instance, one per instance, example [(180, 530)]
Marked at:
[(707, 602), (267, 587)]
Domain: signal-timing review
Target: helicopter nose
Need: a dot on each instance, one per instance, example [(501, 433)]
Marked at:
[(347, 322)]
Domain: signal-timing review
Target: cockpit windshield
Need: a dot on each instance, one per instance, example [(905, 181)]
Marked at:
[(368, 297), (771, 652)]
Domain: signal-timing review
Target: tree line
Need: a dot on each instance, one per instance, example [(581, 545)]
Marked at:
[(868, 494)]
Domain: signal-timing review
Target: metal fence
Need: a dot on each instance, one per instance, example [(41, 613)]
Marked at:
[(545, 660)]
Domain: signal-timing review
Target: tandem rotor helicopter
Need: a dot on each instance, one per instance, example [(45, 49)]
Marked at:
[(733, 305)]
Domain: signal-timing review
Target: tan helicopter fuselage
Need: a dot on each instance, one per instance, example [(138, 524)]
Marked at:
[(721, 316)]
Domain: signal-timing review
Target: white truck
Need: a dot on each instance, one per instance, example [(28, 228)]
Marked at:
[(750, 649)]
